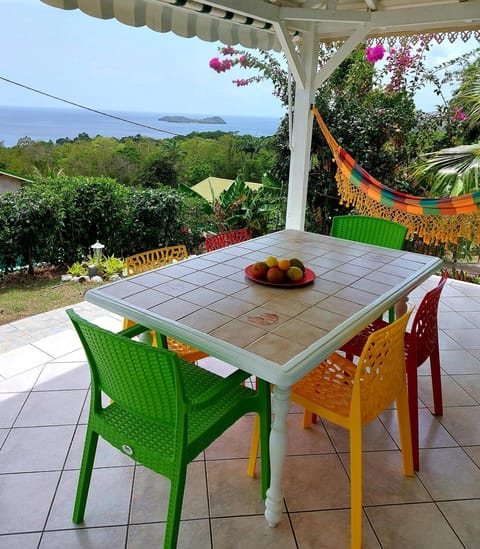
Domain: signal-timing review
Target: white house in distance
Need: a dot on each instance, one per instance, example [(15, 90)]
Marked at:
[(11, 183)]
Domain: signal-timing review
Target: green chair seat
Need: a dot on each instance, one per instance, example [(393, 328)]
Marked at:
[(164, 411)]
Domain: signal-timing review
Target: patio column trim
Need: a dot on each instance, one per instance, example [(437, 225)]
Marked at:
[(302, 136)]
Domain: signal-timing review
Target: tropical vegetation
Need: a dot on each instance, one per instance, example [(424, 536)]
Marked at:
[(135, 193)]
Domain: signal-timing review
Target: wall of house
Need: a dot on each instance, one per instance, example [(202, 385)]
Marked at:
[(9, 184)]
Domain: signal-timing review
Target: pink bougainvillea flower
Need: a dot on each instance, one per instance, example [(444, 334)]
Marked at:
[(228, 50), (216, 64), (241, 82), (459, 114), (220, 66), (375, 53)]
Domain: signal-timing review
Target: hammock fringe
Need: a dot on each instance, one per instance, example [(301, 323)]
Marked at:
[(435, 221)]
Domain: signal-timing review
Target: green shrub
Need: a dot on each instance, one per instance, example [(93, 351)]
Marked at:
[(57, 221)]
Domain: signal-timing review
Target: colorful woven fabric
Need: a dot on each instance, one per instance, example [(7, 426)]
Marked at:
[(435, 220)]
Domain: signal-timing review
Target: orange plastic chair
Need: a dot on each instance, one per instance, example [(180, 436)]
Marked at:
[(351, 396), (421, 342), (228, 238), (153, 259)]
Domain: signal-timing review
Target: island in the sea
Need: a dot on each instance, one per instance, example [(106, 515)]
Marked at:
[(186, 120)]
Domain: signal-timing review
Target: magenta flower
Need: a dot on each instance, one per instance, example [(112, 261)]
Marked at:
[(220, 66), (243, 61), (241, 83), (215, 64), (459, 114), (375, 53), (228, 50)]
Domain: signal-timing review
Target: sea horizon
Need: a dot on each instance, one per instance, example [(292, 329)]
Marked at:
[(53, 123)]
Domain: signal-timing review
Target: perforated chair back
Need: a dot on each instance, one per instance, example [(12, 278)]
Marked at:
[(153, 259), (228, 238), (370, 230), (424, 331), (164, 411), (421, 343)]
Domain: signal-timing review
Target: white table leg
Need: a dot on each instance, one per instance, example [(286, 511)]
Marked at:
[(278, 450)]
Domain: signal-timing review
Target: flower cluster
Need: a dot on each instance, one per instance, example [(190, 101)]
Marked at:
[(220, 65), (375, 53), (224, 65), (459, 115)]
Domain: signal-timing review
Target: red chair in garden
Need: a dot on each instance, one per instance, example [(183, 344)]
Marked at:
[(228, 238)]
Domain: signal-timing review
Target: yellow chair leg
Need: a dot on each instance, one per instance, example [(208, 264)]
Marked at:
[(405, 432), (356, 485), (307, 419), (252, 460)]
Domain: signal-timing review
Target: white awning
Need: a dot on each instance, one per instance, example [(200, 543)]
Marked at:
[(266, 24)]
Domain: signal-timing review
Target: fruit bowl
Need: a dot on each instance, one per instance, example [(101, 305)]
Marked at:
[(308, 277)]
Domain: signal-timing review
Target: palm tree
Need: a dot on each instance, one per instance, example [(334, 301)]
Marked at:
[(456, 170)]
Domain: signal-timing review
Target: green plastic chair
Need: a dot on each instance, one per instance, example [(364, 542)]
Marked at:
[(164, 411), (370, 230)]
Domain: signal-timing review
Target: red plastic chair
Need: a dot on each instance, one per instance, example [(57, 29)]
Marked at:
[(228, 238), (421, 342)]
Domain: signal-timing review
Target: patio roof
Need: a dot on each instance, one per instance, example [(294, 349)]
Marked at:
[(295, 27), (270, 24)]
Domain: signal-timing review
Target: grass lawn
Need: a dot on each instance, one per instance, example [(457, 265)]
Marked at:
[(22, 296)]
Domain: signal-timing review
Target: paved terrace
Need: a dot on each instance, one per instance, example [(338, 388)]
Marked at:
[(44, 384)]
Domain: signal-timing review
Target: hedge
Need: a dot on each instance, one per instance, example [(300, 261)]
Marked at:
[(57, 221)]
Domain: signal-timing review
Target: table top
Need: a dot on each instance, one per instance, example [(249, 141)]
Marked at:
[(278, 334)]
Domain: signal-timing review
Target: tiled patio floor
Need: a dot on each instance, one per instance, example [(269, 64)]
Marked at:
[(43, 409)]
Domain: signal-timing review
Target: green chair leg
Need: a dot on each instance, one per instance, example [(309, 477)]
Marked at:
[(90, 448)]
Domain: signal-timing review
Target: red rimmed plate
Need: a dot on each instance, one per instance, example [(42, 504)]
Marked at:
[(308, 277)]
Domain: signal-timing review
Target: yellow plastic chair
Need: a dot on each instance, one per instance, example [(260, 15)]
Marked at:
[(153, 259), (351, 396)]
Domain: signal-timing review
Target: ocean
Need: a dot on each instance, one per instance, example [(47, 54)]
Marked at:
[(44, 124)]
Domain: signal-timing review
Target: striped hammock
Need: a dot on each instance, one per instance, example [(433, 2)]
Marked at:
[(435, 220)]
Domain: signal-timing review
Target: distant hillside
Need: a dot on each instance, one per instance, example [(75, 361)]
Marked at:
[(186, 120)]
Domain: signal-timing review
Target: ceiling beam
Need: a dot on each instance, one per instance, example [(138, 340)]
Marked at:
[(294, 61)]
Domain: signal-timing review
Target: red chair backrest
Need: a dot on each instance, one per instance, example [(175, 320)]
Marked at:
[(424, 332), (228, 238)]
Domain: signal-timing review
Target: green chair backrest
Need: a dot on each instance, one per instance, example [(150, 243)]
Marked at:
[(140, 378), (370, 230)]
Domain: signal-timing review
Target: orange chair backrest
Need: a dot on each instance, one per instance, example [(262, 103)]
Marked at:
[(380, 373), (153, 259)]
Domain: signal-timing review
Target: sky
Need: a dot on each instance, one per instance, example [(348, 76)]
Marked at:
[(109, 66)]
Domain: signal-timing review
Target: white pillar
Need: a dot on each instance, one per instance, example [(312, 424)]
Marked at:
[(302, 137)]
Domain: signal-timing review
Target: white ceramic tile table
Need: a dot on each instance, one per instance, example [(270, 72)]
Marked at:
[(277, 334)]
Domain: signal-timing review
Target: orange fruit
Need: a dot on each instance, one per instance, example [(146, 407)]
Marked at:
[(271, 261), (259, 269), (275, 275), (284, 264), (294, 274)]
